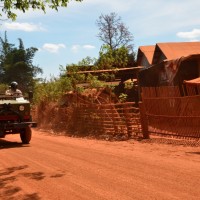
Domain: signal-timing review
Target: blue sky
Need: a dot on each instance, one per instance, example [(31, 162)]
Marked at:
[(69, 35)]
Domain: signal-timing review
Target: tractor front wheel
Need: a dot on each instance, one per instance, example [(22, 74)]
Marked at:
[(25, 135)]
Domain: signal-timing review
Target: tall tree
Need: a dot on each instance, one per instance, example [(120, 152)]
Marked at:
[(16, 63), (113, 32), (9, 7), (5, 49)]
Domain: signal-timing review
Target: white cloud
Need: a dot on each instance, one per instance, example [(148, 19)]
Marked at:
[(53, 48), (27, 27), (87, 46), (76, 48), (192, 35)]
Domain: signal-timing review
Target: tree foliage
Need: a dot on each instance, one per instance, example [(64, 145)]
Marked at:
[(85, 64), (52, 90), (88, 61), (16, 63), (111, 59), (117, 49), (113, 32), (9, 7)]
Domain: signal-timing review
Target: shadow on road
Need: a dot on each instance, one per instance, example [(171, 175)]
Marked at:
[(4, 144), (9, 190), (9, 177)]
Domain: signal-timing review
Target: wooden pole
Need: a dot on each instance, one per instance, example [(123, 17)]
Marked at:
[(144, 121)]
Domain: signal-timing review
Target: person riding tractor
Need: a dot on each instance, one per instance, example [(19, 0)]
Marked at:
[(13, 90)]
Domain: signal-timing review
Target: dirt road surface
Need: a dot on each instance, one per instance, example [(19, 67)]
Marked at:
[(65, 168)]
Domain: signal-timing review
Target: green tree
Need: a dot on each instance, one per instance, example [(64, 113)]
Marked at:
[(88, 61), (117, 49), (111, 59), (51, 90), (10, 7), (5, 49), (16, 64), (85, 64), (72, 74)]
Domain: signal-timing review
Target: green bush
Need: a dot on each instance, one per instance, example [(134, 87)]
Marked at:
[(51, 91)]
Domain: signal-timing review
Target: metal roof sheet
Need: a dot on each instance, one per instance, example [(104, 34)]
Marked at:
[(174, 50), (195, 81), (146, 51)]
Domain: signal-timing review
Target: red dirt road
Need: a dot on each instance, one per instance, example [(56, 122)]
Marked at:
[(64, 168)]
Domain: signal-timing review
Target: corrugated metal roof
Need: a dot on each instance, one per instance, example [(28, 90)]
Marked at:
[(174, 50), (195, 81), (146, 51)]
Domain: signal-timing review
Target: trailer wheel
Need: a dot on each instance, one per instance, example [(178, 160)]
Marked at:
[(25, 135)]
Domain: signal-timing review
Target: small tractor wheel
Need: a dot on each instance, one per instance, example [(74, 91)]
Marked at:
[(25, 135)]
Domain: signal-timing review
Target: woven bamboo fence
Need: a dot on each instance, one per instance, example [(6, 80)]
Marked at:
[(90, 115), (192, 89), (172, 116), (108, 119), (167, 91)]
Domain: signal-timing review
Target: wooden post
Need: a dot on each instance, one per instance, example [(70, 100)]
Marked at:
[(144, 121)]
